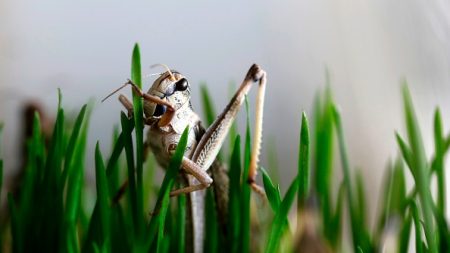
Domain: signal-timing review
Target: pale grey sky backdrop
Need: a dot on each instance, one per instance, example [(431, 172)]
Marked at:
[(84, 48)]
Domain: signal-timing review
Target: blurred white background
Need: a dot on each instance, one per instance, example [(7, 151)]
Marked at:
[(84, 47)]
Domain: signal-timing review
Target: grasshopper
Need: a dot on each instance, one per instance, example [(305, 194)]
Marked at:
[(168, 111)]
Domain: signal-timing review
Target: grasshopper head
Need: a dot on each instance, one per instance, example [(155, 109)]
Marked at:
[(171, 86)]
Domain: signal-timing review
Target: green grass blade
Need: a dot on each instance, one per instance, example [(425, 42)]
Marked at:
[(207, 105), (75, 174), (394, 199), (211, 226), (127, 127), (421, 170), (49, 217), (406, 152), (103, 198), (361, 199), (16, 231), (1, 187), (72, 239), (208, 110), (1, 177), (439, 143), (234, 204), (156, 226), (442, 227), (55, 153), (150, 168), (418, 227), (136, 78), (75, 153), (121, 239), (233, 133), (112, 169), (398, 193), (181, 224), (32, 187), (385, 196), (405, 234), (359, 232), (68, 161), (303, 164), (246, 190), (278, 224), (272, 192), (447, 143), (323, 155), (335, 225), (272, 159)]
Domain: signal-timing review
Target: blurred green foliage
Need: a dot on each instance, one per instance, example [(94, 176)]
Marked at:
[(50, 215)]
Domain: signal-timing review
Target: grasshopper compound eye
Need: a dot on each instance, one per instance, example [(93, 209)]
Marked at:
[(182, 84), (159, 110)]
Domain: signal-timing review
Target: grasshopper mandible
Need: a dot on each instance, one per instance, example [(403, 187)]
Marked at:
[(168, 112)]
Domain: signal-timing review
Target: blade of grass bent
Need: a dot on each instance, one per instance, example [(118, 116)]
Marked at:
[(406, 152), (421, 169), (272, 192)]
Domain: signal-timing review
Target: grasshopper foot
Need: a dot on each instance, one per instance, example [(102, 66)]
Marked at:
[(255, 73)]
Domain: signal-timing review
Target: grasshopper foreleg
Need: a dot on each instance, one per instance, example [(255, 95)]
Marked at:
[(127, 104)]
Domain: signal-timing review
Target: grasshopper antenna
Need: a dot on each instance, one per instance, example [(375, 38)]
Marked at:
[(114, 92), (129, 82), (172, 77), (154, 74), (146, 96)]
